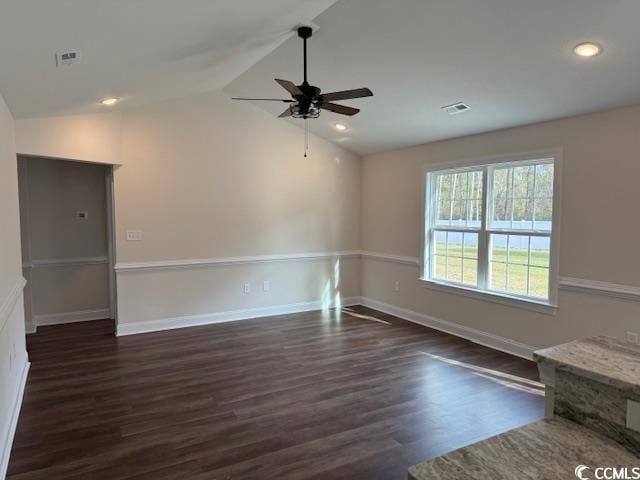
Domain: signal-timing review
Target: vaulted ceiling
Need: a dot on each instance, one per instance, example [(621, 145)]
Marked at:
[(510, 60), (140, 50)]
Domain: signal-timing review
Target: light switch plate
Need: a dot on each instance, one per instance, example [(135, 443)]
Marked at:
[(633, 415), (134, 235)]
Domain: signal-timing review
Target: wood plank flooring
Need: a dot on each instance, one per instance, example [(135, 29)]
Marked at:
[(303, 396)]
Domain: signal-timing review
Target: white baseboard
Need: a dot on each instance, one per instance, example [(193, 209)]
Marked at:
[(15, 413), (70, 317), (487, 339), (222, 317)]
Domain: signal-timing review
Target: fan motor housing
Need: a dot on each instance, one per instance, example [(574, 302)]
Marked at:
[(305, 32), (310, 91)]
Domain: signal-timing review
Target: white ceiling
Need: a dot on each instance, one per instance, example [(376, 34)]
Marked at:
[(510, 60), (142, 50)]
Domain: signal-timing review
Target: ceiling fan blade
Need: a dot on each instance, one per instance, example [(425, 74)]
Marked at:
[(341, 109), (286, 113), (264, 99), (290, 87), (347, 94)]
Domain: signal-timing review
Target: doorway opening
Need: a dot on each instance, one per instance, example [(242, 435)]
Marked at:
[(66, 226)]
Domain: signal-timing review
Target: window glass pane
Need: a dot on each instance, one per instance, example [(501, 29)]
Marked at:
[(544, 181), (444, 187), (522, 197), (470, 244), (440, 247), (440, 267), (454, 269), (543, 213), (539, 282), (458, 212), (459, 199), (498, 279), (440, 255), (498, 248), (470, 273), (444, 212), (500, 182), (459, 186), (517, 279), (540, 251), (519, 264), (521, 201), (522, 181), (518, 252), (456, 257)]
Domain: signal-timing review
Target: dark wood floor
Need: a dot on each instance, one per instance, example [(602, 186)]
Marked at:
[(302, 396)]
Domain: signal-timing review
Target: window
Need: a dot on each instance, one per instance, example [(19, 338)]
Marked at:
[(490, 228)]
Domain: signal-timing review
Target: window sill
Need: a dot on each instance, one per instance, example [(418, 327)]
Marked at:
[(493, 297)]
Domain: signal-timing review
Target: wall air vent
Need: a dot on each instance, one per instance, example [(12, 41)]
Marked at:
[(456, 108), (65, 59)]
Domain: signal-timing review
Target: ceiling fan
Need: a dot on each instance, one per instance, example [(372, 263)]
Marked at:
[(308, 100)]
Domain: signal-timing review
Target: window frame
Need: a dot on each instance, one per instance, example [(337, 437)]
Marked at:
[(486, 165)]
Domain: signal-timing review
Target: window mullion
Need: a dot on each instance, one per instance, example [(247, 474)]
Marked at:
[(483, 236), (430, 200)]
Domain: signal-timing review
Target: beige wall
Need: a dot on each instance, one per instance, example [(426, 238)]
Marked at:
[(64, 258), (599, 232), (13, 355), (206, 177), (95, 138)]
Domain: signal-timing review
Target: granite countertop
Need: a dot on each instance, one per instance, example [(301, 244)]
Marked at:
[(603, 359), (548, 449)]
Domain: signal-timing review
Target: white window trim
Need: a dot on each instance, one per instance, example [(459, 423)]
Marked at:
[(551, 305)]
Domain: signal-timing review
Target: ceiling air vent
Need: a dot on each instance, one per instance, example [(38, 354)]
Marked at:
[(64, 59), (456, 108)]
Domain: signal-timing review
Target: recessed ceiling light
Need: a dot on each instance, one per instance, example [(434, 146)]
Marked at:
[(109, 102), (340, 127), (587, 49)]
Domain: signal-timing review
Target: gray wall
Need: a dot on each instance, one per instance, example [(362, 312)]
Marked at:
[(64, 258)]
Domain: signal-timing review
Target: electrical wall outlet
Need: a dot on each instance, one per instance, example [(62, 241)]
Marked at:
[(266, 286), (82, 215), (246, 287), (632, 337), (396, 286), (134, 235)]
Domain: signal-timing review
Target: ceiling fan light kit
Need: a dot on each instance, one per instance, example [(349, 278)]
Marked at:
[(307, 101)]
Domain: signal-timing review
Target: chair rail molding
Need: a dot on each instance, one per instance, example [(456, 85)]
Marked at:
[(225, 261), (572, 284), (608, 289), (60, 262), (8, 303), (385, 257)]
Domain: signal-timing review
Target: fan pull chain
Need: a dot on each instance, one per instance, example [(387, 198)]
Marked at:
[(306, 137)]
